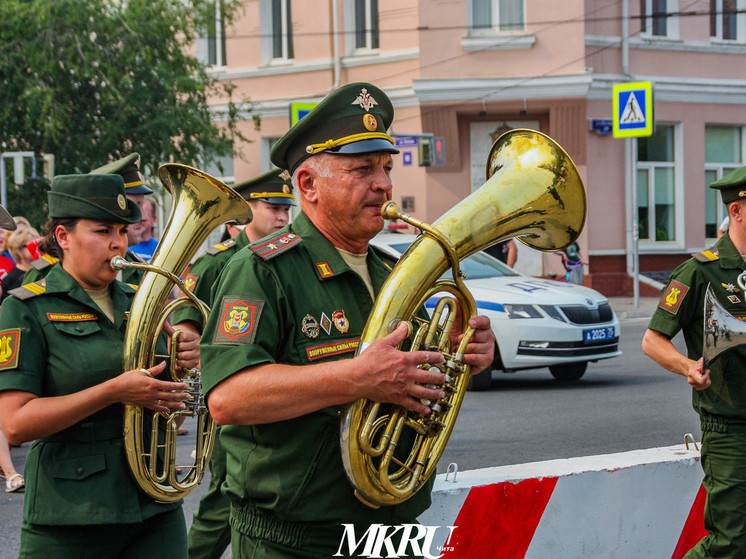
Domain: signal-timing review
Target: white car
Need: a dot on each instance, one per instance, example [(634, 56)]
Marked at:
[(536, 322)]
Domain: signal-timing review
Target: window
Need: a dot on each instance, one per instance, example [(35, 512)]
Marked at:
[(282, 30), (727, 20), (211, 45), (366, 24), (656, 185), (723, 154), (656, 20), (496, 15)]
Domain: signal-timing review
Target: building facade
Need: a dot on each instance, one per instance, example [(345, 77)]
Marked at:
[(461, 72)]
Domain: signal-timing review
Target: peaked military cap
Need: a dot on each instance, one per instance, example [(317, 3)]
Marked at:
[(732, 186), (6, 220), (129, 168), (99, 197), (351, 120), (273, 186)]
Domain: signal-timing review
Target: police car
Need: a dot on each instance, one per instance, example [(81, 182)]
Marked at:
[(536, 322)]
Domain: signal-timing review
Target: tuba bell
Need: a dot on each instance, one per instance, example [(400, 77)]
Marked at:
[(199, 204), (533, 192), (723, 331)]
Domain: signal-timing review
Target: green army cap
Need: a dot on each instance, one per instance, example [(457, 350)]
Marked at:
[(6, 220), (732, 186), (351, 120), (273, 187), (90, 196), (129, 168)]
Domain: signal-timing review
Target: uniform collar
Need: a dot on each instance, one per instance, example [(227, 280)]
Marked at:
[(327, 260), (241, 239), (728, 254), (59, 281)]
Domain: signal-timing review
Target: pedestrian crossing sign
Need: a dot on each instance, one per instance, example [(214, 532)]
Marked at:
[(633, 110)]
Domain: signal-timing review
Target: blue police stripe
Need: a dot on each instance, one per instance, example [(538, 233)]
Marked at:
[(486, 305)]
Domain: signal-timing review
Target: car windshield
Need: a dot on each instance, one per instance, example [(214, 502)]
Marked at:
[(477, 266)]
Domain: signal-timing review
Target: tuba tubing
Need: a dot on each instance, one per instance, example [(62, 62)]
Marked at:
[(199, 204), (722, 330), (533, 192)]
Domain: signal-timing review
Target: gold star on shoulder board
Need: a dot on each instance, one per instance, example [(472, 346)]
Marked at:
[(730, 288)]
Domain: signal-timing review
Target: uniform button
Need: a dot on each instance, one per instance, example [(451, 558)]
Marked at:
[(78, 329), (79, 471)]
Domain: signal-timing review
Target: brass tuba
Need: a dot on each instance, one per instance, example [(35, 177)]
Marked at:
[(199, 204), (723, 331), (533, 192)]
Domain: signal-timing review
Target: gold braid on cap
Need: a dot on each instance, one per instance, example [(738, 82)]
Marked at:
[(313, 149), (271, 195)]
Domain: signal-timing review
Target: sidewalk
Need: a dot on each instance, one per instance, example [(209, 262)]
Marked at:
[(624, 307)]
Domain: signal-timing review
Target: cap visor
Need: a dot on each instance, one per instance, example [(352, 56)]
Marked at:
[(366, 146), (139, 189), (6, 220)]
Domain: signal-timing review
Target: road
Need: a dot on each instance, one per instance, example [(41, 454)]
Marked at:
[(620, 404)]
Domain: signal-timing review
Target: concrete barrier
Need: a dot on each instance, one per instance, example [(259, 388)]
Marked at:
[(644, 503)]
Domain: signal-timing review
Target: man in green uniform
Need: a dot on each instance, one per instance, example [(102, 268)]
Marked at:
[(719, 394), (278, 350), (135, 190), (270, 197)]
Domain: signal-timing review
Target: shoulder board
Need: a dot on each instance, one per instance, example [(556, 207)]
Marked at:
[(44, 262), (706, 256), (275, 245), (30, 290), (133, 286), (132, 257), (220, 247)]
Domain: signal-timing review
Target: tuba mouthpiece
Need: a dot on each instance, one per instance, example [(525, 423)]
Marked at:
[(118, 263)]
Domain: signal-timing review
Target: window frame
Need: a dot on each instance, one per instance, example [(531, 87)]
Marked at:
[(494, 27), (268, 36), (216, 42), (717, 16), (721, 169), (351, 32), (678, 194), (647, 23)]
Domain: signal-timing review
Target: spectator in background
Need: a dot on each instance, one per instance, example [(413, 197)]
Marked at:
[(723, 226), (505, 251), (146, 247), (22, 256), (6, 261)]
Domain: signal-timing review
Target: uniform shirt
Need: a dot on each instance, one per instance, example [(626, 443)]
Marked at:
[(56, 341), (682, 308), (203, 274), (299, 304)]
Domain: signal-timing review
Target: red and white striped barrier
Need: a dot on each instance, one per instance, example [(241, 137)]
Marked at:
[(644, 503)]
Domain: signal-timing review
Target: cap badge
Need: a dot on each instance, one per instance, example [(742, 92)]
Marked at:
[(365, 100), (286, 189), (285, 175), (370, 122), (121, 202)]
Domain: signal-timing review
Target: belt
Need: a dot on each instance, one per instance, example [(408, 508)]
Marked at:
[(721, 424)]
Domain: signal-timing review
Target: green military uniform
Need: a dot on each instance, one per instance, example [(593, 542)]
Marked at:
[(722, 406), (210, 532), (55, 341), (292, 299)]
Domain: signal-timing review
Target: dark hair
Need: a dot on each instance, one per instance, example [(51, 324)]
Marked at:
[(49, 243)]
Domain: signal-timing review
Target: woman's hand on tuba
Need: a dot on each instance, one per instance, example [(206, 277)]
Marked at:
[(141, 388)]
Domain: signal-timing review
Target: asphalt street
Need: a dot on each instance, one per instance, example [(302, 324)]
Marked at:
[(620, 404)]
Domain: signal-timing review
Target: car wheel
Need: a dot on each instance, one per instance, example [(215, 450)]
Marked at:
[(568, 371)]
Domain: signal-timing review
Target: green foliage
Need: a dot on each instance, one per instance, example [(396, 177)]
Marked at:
[(91, 81), (30, 201)]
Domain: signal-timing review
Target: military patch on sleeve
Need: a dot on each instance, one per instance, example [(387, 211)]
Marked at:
[(10, 348), (239, 318), (275, 245), (672, 298), (190, 282)]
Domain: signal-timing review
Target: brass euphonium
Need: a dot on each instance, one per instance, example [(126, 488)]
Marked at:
[(533, 192), (723, 331), (199, 204)]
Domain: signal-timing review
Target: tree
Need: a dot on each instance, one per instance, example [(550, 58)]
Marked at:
[(93, 80)]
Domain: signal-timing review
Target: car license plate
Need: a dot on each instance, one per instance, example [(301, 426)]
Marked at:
[(598, 335)]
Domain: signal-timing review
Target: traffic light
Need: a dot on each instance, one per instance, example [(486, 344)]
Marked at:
[(439, 152), (424, 152)]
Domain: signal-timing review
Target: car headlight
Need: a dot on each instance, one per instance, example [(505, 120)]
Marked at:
[(522, 311)]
